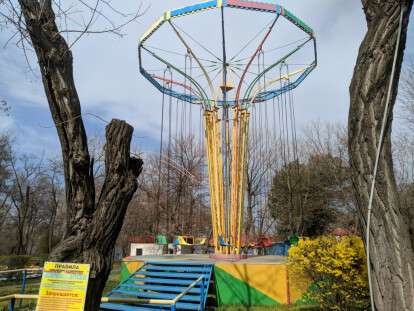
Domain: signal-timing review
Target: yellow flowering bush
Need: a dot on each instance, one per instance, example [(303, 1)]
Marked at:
[(337, 268)]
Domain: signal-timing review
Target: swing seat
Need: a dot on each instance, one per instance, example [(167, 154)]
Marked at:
[(200, 241), (222, 242), (182, 241)]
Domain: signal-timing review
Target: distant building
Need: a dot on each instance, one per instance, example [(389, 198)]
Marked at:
[(145, 246)]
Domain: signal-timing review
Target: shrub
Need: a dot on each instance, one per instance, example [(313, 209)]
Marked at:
[(19, 261), (337, 268)]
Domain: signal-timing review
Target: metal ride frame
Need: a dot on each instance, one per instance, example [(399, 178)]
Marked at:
[(227, 181)]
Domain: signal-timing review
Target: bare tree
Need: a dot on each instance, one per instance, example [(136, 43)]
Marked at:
[(391, 247), (54, 194), (5, 176), (325, 138), (186, 182), (23, 198), (92, 224), (173, 196), (403, 156), (4, 106), (406, 94), (261, 165)]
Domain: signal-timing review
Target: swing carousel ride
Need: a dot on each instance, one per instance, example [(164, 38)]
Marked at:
[(232, 66)]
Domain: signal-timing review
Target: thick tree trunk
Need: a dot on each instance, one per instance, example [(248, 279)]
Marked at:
[(50, 233), (92, 227), (249, 229), (23, 223), (51, 226), (392, 255)]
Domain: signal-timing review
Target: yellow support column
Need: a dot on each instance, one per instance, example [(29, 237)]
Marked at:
[(214, 161), (244, 128), (238, 176), (219, 171), (234, 179), (239, 151), (208, 116)]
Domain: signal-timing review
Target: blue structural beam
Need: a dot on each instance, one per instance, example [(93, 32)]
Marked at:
[(194, 8)]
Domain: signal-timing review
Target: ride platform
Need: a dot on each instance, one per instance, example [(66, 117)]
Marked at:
[(259, 280)]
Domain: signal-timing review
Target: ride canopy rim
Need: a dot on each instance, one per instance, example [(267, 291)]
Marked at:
[(262, 88)]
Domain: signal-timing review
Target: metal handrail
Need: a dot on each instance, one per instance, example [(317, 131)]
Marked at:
[(103, 299), (138, 300), (179, 296), (25, 273), (19, 296), (21, 270)]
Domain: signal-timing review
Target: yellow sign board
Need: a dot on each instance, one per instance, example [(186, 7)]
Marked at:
[(63, 287)]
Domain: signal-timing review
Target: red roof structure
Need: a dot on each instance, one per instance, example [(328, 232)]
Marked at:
[(340, 232), (146, 239)]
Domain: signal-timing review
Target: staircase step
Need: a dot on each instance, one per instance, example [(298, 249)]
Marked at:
[(163, 281), (160, 288), (155, 295), (148, 307), (180, 306), (177, 268), (177, 263), (170, 274), (121, 307)]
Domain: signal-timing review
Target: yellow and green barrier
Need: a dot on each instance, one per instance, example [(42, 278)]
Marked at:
[(257, 284)]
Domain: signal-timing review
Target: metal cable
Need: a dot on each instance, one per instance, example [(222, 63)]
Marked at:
[(161, 147), (196, 42), (190, 125), (250, 41), (169, 152)]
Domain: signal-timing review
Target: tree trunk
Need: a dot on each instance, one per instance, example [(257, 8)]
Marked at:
[(392, 256), (249, 226), (50, 234), (51, 225), (23, 207), (92, 227)]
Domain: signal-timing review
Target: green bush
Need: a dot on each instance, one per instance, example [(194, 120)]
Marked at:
[(19, 261), (337, 268)]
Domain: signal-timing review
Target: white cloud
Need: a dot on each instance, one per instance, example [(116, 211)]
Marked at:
[(6, 123), (109, 84), (17, 83)]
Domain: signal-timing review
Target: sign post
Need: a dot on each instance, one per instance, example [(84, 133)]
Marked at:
[(63, 287)]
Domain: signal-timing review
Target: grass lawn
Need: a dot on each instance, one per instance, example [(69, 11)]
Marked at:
[(113, 279), (14, 287), (270, 308)]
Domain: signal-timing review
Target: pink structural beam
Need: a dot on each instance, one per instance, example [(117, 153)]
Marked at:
[(253, 5)]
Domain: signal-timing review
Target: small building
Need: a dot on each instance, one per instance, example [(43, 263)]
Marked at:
[(145, 249), (145, 246)]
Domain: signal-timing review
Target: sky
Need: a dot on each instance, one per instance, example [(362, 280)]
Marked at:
[(110, 86)]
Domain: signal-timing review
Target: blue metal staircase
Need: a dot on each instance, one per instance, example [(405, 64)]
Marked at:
[(159, 286)]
